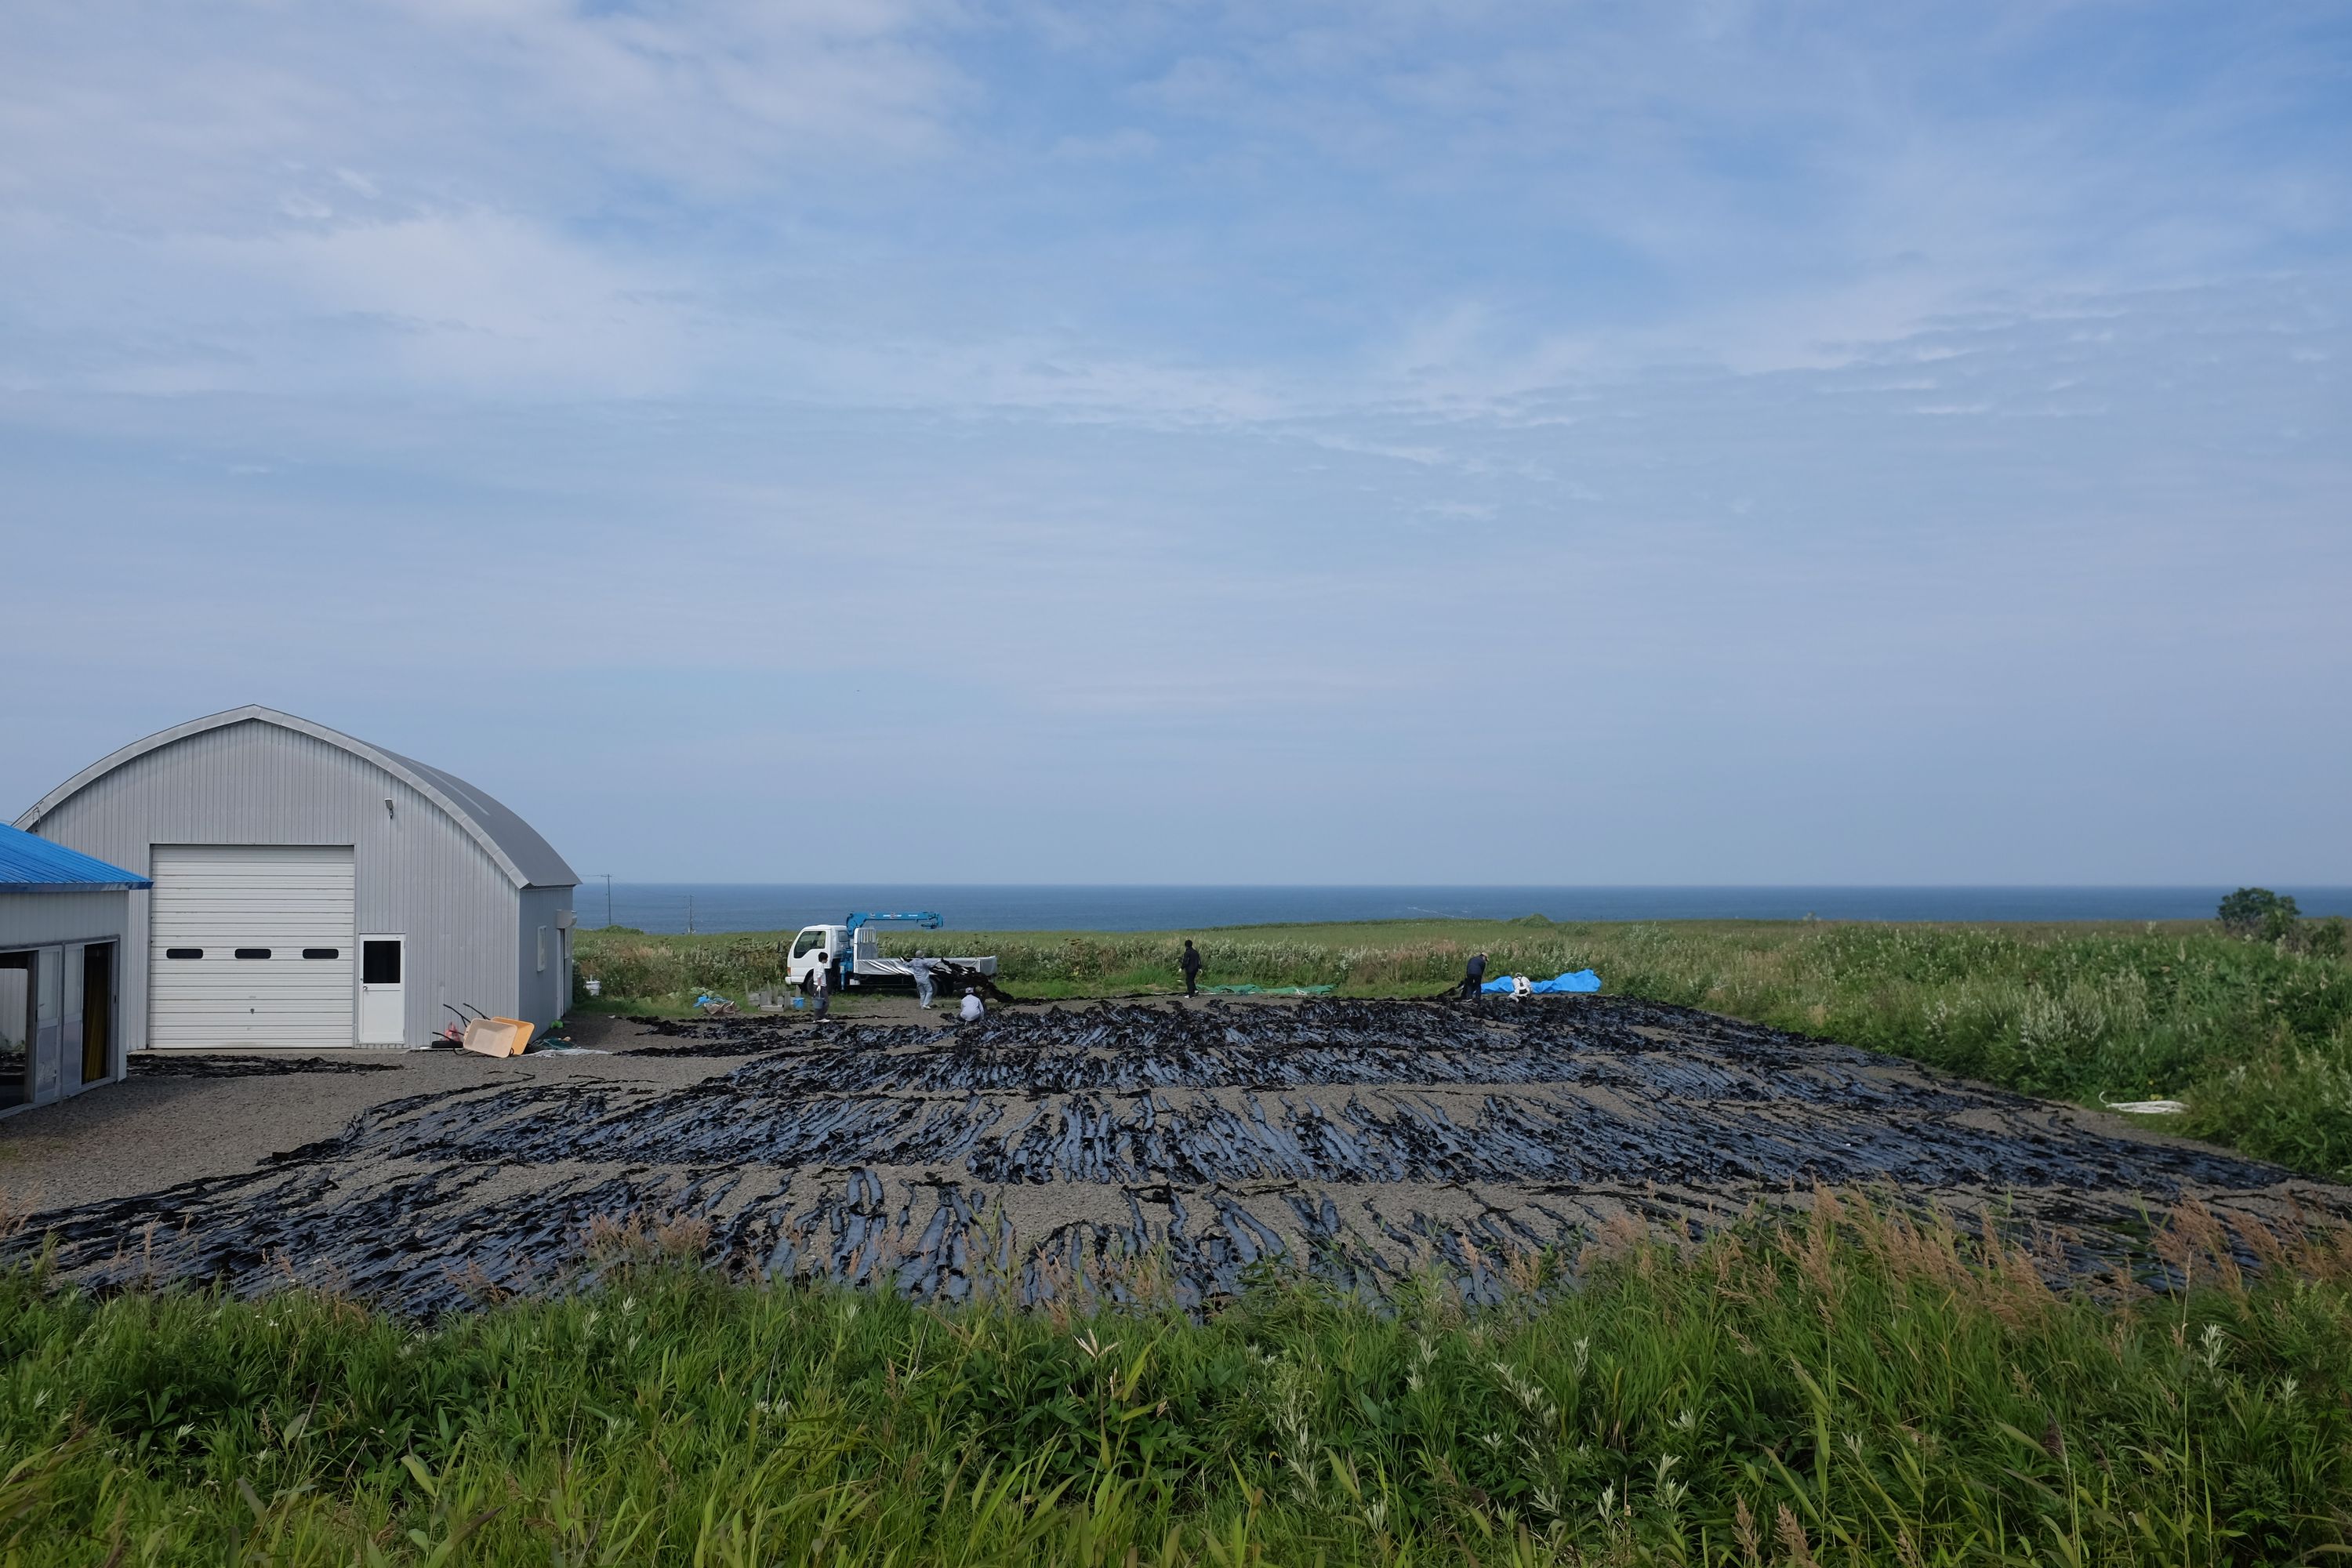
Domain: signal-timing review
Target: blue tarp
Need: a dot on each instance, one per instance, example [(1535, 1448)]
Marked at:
[(1560, 984)]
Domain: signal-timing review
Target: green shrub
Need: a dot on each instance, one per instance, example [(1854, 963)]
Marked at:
[(2323, 938), (2258, 913)]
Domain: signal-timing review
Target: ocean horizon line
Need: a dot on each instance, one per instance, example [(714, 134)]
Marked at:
[(1493, 887), (717, 908)]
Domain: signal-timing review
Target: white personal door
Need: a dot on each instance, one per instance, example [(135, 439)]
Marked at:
[(251, 946), (383, 1001)]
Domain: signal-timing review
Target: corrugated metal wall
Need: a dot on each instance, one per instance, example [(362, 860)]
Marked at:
[(420, 874), (546, 990)]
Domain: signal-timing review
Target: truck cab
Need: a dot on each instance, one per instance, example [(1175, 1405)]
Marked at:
[(850, 948), (830, 941)]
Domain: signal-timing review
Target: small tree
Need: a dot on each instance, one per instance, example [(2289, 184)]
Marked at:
[(2258, 913)]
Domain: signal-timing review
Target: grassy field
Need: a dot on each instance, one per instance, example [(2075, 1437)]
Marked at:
[(2256, 1038), (1860, 1385), (1852, 1388)]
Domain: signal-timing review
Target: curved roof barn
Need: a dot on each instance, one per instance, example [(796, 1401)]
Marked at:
[(525, 856), (311, 888)]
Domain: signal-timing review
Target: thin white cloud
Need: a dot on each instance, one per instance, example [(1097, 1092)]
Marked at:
[(1219, 210), (476, 300), (720, 96)]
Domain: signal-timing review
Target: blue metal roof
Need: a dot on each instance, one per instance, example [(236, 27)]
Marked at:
[(33, 865)]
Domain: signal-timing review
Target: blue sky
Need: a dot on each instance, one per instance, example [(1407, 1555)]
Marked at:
[(1182, 442)]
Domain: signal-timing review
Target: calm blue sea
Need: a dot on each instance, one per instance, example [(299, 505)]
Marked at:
[(746, 906)]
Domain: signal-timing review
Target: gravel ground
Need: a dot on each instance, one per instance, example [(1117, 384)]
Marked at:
[(1054, 1144), (179, 1118)]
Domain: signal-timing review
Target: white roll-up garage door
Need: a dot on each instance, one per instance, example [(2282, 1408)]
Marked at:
[(252, 945)]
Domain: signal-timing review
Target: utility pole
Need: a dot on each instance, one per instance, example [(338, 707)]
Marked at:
[(608, 896), (689, 914)]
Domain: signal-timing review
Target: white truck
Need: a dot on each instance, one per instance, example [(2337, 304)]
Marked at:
[(855, 948)]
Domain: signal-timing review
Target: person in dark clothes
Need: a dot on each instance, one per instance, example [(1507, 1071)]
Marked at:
[(1191, 964), (1475, 976)]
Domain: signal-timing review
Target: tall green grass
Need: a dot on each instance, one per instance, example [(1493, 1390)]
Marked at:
[(2257, 1037), (1852, 1386)]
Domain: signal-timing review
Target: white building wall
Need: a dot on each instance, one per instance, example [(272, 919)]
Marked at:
[(44, 920)]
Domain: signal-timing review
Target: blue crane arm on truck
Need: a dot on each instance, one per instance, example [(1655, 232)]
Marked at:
[(856, 948), (923, 918)]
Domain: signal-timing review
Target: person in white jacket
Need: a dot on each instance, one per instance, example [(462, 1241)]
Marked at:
[(920, 967), (971, 1007)]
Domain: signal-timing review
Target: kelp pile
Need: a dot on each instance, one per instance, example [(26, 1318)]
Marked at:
[(1126, 1148)]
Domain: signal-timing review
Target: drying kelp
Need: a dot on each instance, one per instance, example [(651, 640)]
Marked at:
[(179, 1064), (1125, 1148)]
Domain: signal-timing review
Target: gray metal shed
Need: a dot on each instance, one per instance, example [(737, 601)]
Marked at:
[(312, 889), (63, 917)]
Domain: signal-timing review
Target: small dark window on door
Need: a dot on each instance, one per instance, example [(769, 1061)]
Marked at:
[(379, 963), (253, 953), (183, 953), (322, 953)]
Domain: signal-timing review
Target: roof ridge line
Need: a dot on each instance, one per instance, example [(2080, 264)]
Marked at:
[(468, 814)]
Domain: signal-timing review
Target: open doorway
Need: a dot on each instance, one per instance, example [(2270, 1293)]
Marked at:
[(97, 1012), (16, 1029)]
